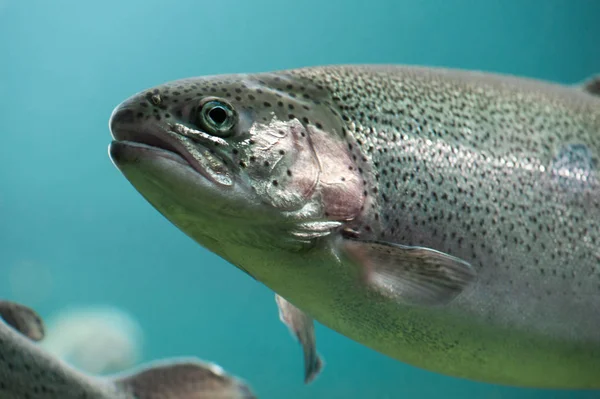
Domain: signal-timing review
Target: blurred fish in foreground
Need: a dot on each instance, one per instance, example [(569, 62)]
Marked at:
[(95, 339), (27, 371)]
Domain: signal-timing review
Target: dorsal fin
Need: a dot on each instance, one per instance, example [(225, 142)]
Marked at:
[(592, 85), (183, 379), (23, 319)]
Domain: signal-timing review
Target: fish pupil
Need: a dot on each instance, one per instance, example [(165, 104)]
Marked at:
[(218, 115)]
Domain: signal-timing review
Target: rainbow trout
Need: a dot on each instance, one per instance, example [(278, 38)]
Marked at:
[(29, 372), (448, 219)]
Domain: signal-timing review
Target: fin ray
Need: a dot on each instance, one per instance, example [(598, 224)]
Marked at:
[(302, 327), (413, 275), (183, 379), (23, 319)]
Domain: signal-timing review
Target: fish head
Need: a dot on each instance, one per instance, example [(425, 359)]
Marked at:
[(260, 170), (239, 159)]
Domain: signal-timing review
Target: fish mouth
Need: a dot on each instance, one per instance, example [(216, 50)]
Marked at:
[(161, 141)]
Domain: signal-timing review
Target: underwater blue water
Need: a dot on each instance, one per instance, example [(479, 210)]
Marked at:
[(74, 231)]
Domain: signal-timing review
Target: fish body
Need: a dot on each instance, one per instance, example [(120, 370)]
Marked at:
[(28, 371), (448, 219)]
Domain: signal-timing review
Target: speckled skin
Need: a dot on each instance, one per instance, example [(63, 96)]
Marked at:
[(498, 171), (29, 372)]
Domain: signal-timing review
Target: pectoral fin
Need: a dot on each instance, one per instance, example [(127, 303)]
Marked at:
[(22, 319), (184, 379), (302, 327), (411, 275)]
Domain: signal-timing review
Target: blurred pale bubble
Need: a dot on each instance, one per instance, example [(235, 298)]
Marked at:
[(30, 281), (95, 339)]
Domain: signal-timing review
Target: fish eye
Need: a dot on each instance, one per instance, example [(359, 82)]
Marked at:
[(216, 116)]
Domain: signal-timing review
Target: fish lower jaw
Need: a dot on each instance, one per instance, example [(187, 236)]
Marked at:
[(125, 151), (121, 152)]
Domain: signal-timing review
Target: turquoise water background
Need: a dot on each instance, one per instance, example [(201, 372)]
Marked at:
[(73, 230)]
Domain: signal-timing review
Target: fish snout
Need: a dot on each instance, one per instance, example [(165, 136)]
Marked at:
[(121, 118)]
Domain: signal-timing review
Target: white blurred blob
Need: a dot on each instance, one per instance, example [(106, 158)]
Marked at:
[(95, 339)]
